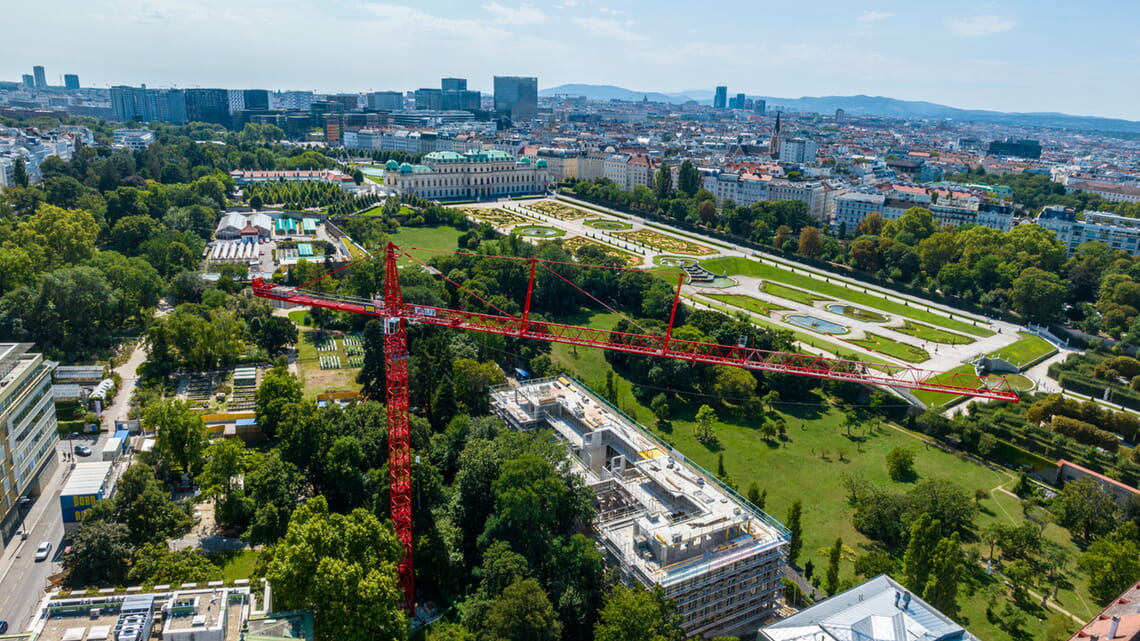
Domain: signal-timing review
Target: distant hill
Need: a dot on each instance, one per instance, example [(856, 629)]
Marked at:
[(864, 106), (610, 92)]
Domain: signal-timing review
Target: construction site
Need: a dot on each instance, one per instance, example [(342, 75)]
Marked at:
[(660, 519)]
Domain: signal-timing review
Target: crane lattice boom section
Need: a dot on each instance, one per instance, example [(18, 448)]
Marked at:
[(661, 346)]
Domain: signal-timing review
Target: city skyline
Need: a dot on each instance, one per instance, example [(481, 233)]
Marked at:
[(1006, 56)]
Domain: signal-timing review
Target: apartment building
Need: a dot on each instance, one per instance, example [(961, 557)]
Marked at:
[(1107, 191), (852, 207), (746, 189), (661, 520), (1118, 232), (27, 429), (471, 175)]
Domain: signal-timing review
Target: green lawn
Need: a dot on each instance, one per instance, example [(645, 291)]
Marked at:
[(762, 307), (442, 238), (942, 399), (839, 291), (790, 293), (299, 316), (928, 333), (893, 348), (237, 565), (1026, 350)]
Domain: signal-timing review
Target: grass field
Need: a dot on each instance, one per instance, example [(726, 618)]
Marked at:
[(839, 291), (316, 380), (790, 293), (442, 238), (237, 565), (762, 307), (928, 333), (892, 348), (299, 316), (1026, 350), (810, 465), (942, 399)]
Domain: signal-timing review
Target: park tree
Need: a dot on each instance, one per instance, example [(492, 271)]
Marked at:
[(706, 211), (900, 464), (1112, 562), (1038, 295), (100, 553), (811, 242), (871, 225), (756, 496), (522, 612), (534, 504), (156, 563), (275, 334), (915, 225), (636, 614), (796, 531), (663, 182), (19, 172), (875, 562), (274, 485), (833, 557), (181, 434), (925, 533), (688, 179), (278, 389), (660, 407), (344, 568), (947, 562), (67, 236), (221, 479), (944, 501), (1084, 508), (705, 427), (144, 506)]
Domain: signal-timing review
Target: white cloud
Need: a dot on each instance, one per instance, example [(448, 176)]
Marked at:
[(523, 14), (610, 29), (873, 16), (979, 25)]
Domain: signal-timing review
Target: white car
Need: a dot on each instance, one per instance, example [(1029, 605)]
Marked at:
[(43, 551)]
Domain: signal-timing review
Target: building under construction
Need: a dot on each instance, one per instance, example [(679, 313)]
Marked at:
[(661, 519)]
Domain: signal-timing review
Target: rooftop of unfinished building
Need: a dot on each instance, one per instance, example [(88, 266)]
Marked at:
[(656, 510)]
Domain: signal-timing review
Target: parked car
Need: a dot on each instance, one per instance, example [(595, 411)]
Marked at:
[(3, 627), (82, 450), (43, 551)]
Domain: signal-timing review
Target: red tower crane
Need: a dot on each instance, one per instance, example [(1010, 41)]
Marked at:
[(396, 313)]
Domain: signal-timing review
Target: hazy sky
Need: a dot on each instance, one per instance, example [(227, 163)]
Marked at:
[(1017, 55)]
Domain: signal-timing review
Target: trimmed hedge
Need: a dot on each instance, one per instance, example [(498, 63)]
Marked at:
[(1086, 433)]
